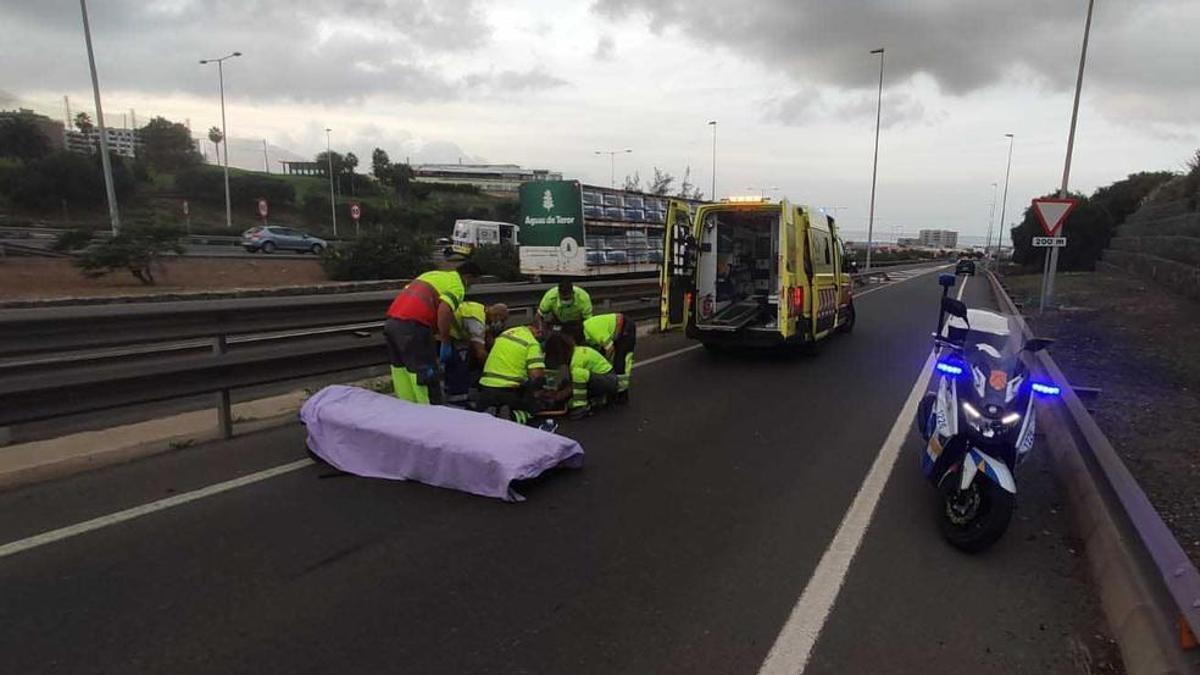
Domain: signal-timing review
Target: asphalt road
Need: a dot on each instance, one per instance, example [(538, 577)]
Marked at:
[(681, 547)]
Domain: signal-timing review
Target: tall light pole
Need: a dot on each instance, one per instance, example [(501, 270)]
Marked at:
[(713, 194), (987, 246), (875, 166), (332, 203), (612, 164), (1062, 191), (224, 132), (1004, 200), (114, 215)]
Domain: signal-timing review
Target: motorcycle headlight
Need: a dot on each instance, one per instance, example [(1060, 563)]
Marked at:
[(988, 426)]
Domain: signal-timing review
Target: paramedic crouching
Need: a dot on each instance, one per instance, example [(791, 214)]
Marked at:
[(565, 305), (424, 309), (514, 376), (615, 336), (475, 329), (592, 377)]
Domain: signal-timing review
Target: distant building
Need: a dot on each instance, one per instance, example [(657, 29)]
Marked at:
[(938, 238), (50, 128), (486, 177), (908, 241), (124, 142)]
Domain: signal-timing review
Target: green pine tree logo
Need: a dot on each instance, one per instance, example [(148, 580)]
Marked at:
[(547, 200)]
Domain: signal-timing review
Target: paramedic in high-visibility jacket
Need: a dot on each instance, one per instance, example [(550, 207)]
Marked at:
[(514, 376), (615, 336), (591, 375), (475, 329), (417, 331), (565, 305)]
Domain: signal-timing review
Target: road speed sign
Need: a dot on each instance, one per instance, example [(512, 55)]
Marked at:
[(355, 211), (262, 208)]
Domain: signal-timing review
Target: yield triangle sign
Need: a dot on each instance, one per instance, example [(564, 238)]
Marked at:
[(1053, 213)]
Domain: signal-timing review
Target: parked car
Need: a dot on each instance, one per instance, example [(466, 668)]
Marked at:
[(965, 266), (271, 238)]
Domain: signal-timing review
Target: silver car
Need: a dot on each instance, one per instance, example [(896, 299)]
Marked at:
[(271, 238)]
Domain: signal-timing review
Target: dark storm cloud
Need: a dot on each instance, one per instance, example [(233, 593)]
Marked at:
[(1138, 46), (303, 50)]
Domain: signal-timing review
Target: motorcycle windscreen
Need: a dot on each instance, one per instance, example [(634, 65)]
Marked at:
[(678, 267)]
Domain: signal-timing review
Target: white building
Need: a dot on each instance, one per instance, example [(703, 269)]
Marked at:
[(124, 142), (486, 177), (938, 238)]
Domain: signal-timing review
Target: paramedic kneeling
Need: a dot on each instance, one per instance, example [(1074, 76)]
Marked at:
[(615, 336), (514, 375), (427, 304), (565, 305), (592, 376)]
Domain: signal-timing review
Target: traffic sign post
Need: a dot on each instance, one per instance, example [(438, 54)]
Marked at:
[(355, 213), (187, 217), (1051, 213)]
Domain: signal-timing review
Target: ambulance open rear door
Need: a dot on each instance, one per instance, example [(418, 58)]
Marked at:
[(677, 280), (788, 293)]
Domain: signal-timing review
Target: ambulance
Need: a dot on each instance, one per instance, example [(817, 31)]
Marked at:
[(749, 271), (469, 235)]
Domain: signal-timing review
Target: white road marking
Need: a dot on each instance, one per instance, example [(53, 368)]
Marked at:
[(146, 509), (796, 640), (794, 644), (61, 533), (668, 355)]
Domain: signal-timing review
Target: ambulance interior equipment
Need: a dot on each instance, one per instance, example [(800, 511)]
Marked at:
[(738, 270)]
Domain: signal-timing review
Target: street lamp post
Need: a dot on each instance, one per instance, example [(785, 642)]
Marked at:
[(332, 203), (875, 165), (1004, 199), (987, 246), (713, 195), (612, 164), (224, 131), (1062, 191), (114, 215)]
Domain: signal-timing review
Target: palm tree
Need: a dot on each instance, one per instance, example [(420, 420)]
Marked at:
[(83, 122), (215, 135)]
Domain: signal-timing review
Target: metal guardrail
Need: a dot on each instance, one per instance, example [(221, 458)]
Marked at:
[(1179, 575), (74, 385), (84, 359)]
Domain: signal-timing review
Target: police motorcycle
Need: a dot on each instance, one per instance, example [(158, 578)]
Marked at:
[(979, 421)]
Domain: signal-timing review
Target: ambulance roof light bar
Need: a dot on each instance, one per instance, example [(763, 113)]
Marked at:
[(746, 199)]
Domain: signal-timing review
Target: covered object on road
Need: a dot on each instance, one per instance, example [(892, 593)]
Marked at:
[(369, 434)]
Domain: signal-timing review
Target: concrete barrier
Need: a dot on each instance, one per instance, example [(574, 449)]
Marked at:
[(1141, 611)]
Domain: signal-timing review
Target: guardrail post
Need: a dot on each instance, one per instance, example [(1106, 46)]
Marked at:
[(224, 405)]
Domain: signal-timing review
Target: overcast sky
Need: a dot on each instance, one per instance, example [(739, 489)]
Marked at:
[(546, 83)]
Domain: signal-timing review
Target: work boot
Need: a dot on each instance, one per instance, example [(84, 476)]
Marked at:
[(548, 425), (579, 413), (621, 397)]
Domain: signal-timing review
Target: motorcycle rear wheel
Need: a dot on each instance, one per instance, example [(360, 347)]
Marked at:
[(989, 510)]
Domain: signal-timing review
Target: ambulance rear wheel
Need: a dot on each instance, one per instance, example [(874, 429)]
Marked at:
[(848, 323)]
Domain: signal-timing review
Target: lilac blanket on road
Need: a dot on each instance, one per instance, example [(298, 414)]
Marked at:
[(378, 436)]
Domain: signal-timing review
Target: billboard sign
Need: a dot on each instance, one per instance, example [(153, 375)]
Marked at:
[(551, 224)]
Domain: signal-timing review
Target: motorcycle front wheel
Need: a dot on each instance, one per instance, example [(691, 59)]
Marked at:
[(975, 518)]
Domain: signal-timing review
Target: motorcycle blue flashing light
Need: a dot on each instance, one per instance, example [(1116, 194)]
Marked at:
[(1047, 389), (951, 369)]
